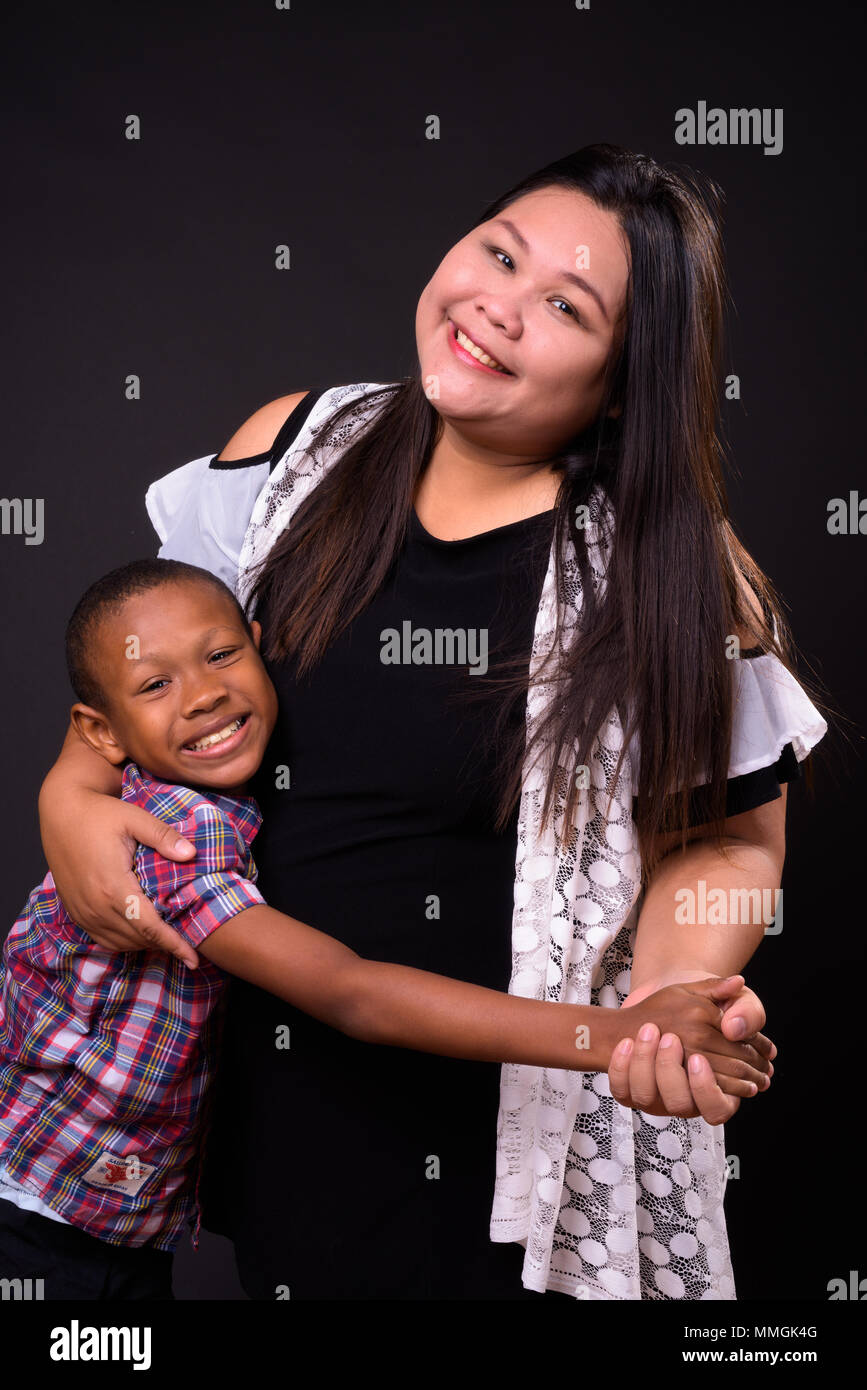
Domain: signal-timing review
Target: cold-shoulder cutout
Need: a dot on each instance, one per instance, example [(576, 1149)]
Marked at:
[(202, 510), (255, 440)]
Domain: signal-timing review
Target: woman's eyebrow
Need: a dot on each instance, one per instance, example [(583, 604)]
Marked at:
[(564, 274)]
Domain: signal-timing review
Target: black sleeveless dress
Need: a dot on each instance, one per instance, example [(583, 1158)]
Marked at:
[(341, 1169)]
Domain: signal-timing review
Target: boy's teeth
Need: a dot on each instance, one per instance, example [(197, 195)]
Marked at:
[(218, 737), (483, 357)]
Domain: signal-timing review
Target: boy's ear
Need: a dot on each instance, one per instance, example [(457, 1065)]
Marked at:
[(94, 728), (256, 629)]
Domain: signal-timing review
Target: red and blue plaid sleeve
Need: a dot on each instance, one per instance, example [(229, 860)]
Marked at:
[(198, 896)]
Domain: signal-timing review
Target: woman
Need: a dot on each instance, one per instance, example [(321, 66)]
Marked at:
[(542, 502)]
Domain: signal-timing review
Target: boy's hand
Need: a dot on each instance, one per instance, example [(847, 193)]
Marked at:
[(738, 1002), (90, 845), (652, 1078)]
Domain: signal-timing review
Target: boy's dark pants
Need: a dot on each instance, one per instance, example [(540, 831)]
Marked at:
[(74, 1264)]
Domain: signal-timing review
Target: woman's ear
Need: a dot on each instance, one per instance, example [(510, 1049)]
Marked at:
[(94, 729)]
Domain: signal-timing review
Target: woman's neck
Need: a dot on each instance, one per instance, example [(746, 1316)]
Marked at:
[(465, 491)]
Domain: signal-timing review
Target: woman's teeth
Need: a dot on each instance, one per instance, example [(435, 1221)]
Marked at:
[(469, 346), (218, 737)]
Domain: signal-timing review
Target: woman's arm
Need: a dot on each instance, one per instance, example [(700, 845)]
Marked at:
[(88, 834), (399, 1006), (78, 763), (79, 807), (668, 951)]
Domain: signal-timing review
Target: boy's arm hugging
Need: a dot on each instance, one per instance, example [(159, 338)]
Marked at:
[(90, 837)]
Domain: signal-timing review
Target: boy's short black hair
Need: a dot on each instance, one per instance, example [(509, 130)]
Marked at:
[(105, 597)]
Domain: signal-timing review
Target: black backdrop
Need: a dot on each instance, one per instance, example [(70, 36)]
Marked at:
[(306, 126)]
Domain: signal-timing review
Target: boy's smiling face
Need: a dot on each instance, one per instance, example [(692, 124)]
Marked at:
[(179, 667)]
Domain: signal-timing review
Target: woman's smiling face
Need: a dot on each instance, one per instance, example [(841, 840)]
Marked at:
[(512, 292)]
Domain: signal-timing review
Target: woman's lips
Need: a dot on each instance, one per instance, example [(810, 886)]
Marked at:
[(464, 356), (227, 745)]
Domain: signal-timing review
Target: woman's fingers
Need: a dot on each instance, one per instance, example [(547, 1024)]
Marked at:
[(640, 1080), (146, 928), (671, 1078), (618, 1071), (94, 879), (714, 1105), (150, 830), (647, 1075), (673, 1081), (137, 924), (132, 923)]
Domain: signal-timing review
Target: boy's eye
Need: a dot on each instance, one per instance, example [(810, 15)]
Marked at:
[(226, 651), (155, 685)]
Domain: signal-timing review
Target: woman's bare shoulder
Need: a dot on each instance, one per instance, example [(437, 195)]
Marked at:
[(258, 433)]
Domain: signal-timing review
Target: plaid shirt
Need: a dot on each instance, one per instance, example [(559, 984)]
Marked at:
[(106, 1056)]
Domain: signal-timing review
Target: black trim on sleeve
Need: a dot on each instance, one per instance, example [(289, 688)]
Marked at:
[(288, 433), (240, 463), (787, 767), (746, 792)]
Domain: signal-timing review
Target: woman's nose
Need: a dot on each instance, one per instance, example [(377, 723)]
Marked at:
[(500, 313)]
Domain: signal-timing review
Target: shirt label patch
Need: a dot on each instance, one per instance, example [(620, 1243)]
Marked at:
[(120, 1174)]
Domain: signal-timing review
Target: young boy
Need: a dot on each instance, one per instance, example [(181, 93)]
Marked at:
[(106, 1056)]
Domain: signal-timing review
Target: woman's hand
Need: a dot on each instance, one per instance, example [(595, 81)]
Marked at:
[(650, 1076), (89, 840)]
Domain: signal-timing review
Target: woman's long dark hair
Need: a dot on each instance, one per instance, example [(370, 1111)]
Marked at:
[(655, 646)]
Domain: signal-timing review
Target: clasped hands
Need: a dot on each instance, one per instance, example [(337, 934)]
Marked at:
[(654, 1072)]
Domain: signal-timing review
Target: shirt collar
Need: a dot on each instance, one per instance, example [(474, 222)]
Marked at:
[(158, 796)]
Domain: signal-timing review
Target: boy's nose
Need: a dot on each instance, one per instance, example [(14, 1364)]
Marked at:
[(205, 695)]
